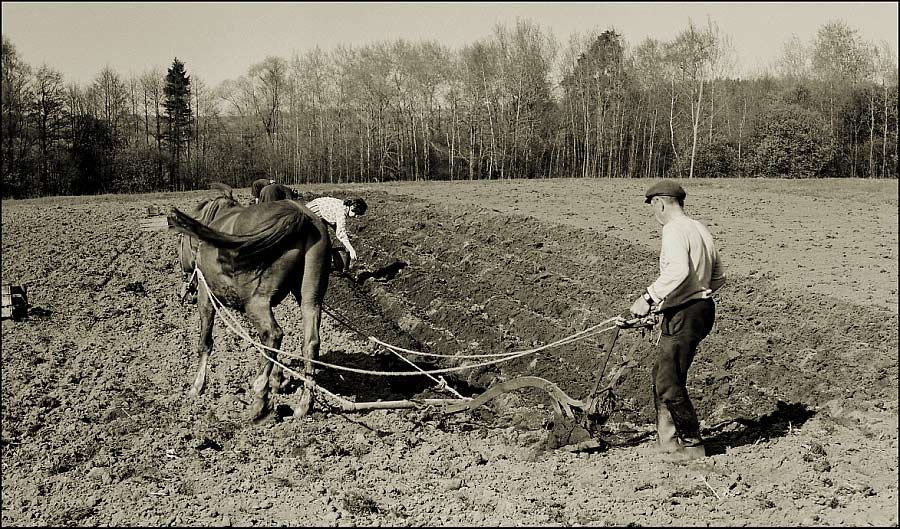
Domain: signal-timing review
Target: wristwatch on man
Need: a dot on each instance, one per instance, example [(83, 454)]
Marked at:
[(647, 297)]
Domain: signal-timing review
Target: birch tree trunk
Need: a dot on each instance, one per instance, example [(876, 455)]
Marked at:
[(652, 142), (672, 122), (696, 126), (740, 137), (884, 138)]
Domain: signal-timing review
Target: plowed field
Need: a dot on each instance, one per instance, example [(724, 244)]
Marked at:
[(796, 386)]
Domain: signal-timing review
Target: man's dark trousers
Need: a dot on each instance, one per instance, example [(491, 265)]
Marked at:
[(683, 328)]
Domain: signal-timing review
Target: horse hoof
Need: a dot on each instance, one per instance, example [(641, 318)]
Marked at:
[(259, 410), (197, 388), (278, 385), (306, 401)]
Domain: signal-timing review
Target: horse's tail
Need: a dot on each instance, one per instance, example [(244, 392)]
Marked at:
[(250, 250)]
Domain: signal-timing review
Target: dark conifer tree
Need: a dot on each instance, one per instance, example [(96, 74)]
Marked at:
[(178, 117)]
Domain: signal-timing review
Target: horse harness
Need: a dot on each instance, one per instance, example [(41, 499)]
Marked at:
[(195, 252)]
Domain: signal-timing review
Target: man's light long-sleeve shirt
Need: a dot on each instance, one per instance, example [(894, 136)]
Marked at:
[(689, 265), (331, 210)]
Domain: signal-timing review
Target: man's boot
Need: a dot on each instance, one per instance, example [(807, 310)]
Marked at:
[(665, 427), (690, 445)]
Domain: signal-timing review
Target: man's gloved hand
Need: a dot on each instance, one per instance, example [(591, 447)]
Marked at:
[(631, 321), (640, 307)]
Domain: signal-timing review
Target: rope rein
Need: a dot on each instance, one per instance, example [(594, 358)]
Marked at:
[(343, 321), (234, 326), (395, 348), (441, 383)]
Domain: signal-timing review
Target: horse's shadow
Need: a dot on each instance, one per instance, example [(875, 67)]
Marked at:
[(365, 387), (740, 431)]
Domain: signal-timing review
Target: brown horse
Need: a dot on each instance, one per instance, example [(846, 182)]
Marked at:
[(251, 258), (257, 186), (273, 192)]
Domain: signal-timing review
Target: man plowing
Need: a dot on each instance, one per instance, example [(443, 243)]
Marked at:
[(689, 272)]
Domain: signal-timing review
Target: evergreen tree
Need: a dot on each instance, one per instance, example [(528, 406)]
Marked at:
[(178, 118), (17, 135)]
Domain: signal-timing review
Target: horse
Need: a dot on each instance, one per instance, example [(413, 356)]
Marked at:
[(340, 259), (251, 258), (257, 186), (273, 192)]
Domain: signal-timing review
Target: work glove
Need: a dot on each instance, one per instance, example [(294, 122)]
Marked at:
[(640, 307)]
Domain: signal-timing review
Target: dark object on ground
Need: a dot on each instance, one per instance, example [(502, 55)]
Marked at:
[(136, 287), (385, 273), (15, 302)]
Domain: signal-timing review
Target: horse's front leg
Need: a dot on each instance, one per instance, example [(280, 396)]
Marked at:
[(270, 334), (205, 343)]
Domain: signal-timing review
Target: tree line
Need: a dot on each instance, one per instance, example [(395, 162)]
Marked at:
[(515, 104)]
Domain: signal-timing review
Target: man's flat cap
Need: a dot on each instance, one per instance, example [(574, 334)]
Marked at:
[(665, 188)]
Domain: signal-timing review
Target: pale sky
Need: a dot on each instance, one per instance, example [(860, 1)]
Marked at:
[(221, 40)]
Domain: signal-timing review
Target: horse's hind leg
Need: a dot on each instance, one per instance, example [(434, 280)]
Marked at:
[(313, 285), (312, 315), (270, 334), (205, 343)]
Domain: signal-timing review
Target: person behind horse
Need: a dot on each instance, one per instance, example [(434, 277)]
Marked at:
[(273, 192), (334, 212), (258, 186), (690, 271)]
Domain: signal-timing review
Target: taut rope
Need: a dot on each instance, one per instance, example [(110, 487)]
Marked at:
[(234, 326)]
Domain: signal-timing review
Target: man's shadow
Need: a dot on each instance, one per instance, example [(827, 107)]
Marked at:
[(778, 423), (740, 431), (385, 273)]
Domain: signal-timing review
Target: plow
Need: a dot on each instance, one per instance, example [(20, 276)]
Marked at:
[(589, 412)]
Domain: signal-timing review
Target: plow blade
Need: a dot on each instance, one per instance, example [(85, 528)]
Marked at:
[(562, 403)]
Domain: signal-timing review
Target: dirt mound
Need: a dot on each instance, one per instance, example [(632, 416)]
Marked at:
[(483, 281)]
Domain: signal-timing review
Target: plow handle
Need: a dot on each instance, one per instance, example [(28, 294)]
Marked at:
[(609, 347)]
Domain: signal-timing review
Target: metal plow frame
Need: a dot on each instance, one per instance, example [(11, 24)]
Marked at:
[(596, 407)]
